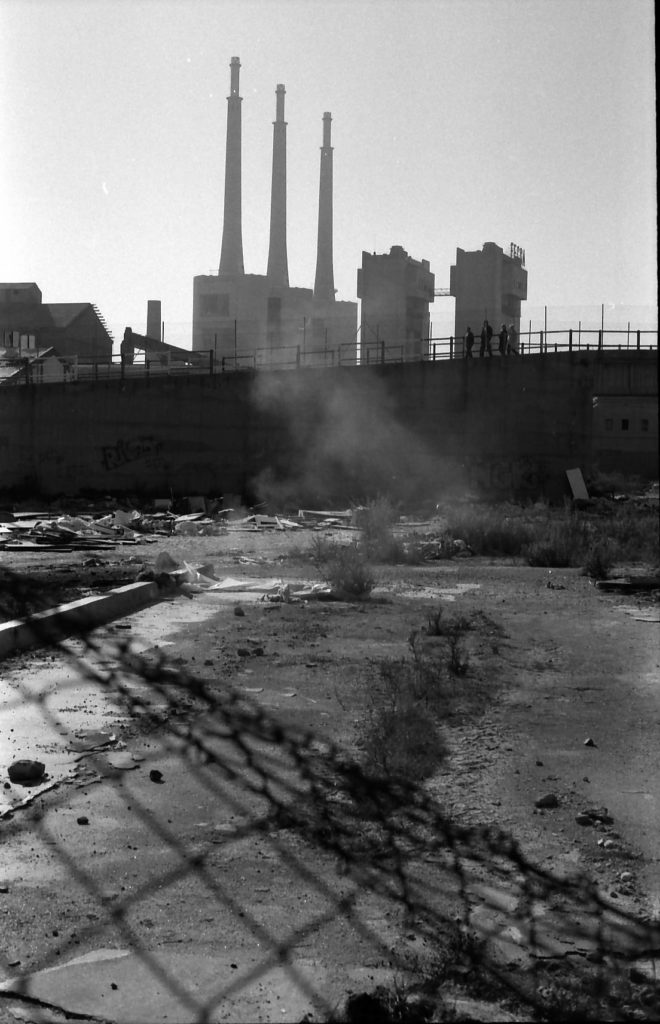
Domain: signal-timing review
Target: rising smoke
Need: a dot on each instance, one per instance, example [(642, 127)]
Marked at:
[(335, 438)]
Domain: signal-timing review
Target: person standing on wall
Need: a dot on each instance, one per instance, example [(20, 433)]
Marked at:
[(512, 344), (486, 335), (469, 343), (503, 336)]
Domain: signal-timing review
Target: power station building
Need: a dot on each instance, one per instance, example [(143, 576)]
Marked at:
[(244, 317), (487, 285), (395, 291)]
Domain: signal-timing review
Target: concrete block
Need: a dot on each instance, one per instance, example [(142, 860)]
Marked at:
[(75, 617)]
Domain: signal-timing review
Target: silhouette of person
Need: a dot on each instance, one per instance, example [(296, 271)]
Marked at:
[(127, 348), (503, 336), (512, 343), (486, 335), (469, 343)]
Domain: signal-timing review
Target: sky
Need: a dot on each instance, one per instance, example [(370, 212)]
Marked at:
[(455, 122)]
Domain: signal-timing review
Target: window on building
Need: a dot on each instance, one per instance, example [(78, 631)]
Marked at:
[(624, 424), (645, 426), (214, 305), (609, 424)]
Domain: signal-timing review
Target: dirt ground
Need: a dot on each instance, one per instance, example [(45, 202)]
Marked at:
[(192, 896)]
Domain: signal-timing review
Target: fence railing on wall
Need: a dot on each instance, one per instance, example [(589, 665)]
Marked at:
[(431, 349)]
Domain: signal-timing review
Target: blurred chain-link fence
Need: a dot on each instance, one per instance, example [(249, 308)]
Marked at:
[(305, 877)]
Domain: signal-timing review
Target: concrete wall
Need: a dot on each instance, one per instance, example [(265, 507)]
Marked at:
[(506, 426)]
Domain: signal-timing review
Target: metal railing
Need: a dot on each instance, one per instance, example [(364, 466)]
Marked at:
[(432, 349)]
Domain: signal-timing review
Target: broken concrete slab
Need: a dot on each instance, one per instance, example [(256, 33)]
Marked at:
[(125, 986), (75, 617), (578, 486)]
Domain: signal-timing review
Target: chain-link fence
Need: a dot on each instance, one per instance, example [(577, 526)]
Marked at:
[(371, 867)]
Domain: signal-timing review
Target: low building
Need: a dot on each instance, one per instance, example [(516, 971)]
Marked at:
[(71, 328), (35, 367)]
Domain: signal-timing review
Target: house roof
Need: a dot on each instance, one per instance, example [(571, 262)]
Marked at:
[(28, 316)]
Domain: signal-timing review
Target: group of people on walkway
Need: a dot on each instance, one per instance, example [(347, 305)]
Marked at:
[(507, 341)]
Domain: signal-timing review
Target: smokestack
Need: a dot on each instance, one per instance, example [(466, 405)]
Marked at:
[(231, 256), (278, 270), (153, 318), (324, 284)]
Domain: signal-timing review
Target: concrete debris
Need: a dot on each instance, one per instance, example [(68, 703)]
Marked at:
[(92, 739), (192, 579), (69, 533), (589, 742), (26, 772), (578, 486), (597, 814), (630, 584), (547, 801)]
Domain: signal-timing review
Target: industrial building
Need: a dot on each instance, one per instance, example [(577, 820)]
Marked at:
[(72, 329), (488, 285), (253, 318), (395, 291)]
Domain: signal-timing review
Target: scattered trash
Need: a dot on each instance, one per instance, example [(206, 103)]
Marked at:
[(26, 772), (82, 820), (92, 739), (589, 742), (238, 611), (155, 775)]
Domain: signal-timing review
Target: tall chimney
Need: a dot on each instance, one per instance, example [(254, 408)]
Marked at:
[(153, 319), (278, 270), (324, 284), (231, 255)]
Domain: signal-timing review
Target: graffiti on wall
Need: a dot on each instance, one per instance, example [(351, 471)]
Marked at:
[(125, 451)]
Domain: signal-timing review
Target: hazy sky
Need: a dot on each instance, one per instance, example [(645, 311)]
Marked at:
[(455, 122)]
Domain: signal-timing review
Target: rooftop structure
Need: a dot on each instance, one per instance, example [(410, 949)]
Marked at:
[(396, 291)]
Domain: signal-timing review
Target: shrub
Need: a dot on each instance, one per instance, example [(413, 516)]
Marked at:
[(488, 533), (403, 741), (344, 568), (599, 561), (563, 543), (376, 521)]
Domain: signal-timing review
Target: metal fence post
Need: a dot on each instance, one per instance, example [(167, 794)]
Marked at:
[(600, 341), (211, 362), (382, 351), (639, 340), (570, 340), (451, 346), (541, 342)]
